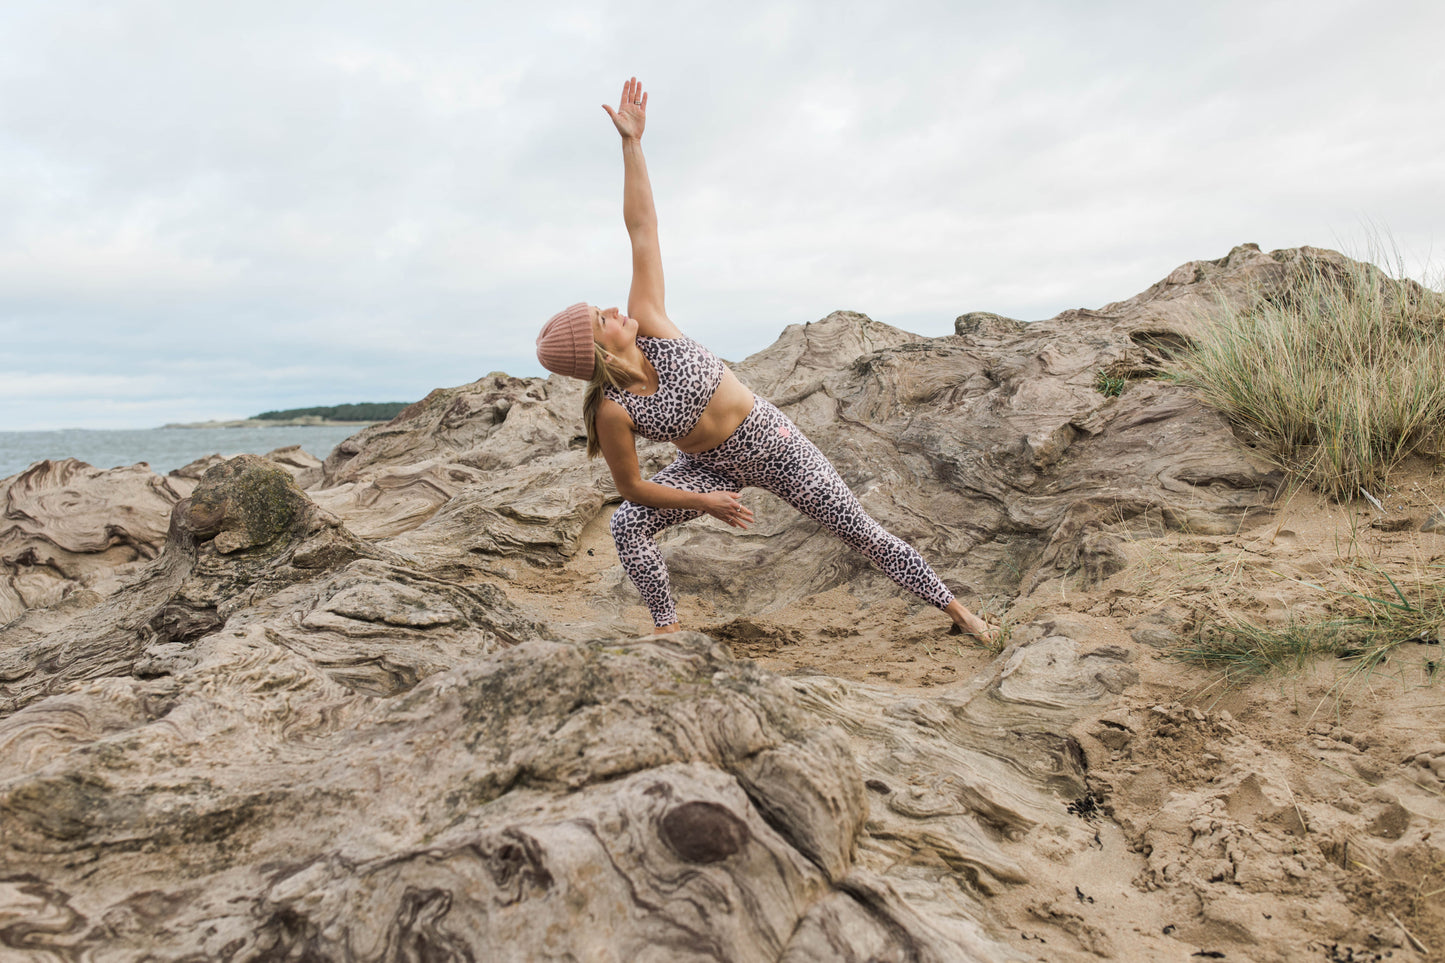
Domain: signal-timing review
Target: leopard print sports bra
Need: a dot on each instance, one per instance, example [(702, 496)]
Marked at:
[(687, 376)]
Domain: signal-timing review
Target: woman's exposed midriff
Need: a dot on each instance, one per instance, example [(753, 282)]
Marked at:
[(728, 408)]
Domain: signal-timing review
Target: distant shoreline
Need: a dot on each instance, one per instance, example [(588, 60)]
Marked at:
[(306, 421)]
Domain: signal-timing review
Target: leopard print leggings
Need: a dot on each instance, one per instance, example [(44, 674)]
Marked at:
[(766, 451)]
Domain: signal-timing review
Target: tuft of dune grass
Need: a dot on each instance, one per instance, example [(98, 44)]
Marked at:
[(1340, 376), (1374, 615)]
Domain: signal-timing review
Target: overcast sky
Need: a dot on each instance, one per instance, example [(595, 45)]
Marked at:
[(212, 209)]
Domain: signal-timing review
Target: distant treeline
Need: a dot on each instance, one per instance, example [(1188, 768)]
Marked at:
[(363, 411)]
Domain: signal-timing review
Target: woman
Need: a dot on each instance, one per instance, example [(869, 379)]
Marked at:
[(646, 378)]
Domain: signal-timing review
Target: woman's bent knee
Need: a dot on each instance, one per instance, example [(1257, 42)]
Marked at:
[(624, 521)]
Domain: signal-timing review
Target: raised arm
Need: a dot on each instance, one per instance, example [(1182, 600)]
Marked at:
[(645, 300)]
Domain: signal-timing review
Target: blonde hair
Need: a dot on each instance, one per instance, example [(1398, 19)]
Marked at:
[(602, 377)]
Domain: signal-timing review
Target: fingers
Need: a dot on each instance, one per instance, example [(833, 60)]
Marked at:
[(633, 96), (738, 513), (732, 511)]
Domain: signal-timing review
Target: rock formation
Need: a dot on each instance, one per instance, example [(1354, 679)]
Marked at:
[(68, 527), (72, 532), (990, 450), (395, 706)]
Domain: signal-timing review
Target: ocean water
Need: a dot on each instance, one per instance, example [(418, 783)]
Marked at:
[(164, 449)]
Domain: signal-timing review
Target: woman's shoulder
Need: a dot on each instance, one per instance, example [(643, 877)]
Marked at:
[(611, 410), (659, 327)]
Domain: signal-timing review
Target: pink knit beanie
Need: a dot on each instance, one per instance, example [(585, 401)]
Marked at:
[(565, 344)]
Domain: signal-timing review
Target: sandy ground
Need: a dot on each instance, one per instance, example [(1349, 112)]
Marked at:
[(1294, 815)]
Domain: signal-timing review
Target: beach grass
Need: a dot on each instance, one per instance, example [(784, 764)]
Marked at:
[(1372, 615), (1337, 377), (1110, 385)]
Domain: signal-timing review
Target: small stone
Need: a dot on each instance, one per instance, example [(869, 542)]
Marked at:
[(1155, 636), (1158, 628), (1077, 629), (1370, 770), (1291, 820), (703, 832), (1118, 718), (985, 324), (1114, 738), (1397, 523)]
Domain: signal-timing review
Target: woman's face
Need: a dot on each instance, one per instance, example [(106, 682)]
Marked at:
[(612, 329)]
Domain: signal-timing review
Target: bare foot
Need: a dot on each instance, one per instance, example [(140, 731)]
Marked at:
[(966, 623), (985, 633), (664, 629)]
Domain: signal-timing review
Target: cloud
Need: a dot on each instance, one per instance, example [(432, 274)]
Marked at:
[(227, 209)]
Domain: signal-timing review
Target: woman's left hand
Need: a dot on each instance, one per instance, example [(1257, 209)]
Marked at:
[(727, 507), (631, 113)]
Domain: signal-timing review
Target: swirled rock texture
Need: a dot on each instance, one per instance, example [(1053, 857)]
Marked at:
[(394, 706), (71, 532), (991, 450), (70, 527), (246, 542), (683, 804)]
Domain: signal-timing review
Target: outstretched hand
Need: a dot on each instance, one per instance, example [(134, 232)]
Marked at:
[(631, 113), (727, 507)]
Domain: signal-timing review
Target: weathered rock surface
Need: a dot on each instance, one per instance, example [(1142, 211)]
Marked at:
[(391, 477), (285, 742), (72, 533), (305, 467), (344, 723), (68, 527), (246, 542), (990, 450), (249, 799)]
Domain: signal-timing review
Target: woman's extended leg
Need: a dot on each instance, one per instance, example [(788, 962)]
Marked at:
[(786, 463), (634, 527), (815, 488)]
